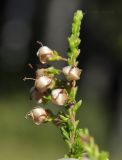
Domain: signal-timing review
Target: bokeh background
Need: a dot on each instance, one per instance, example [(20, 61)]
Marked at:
[(22, 23)]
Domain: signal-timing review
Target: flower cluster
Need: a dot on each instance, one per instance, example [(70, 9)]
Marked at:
[(47, 86)]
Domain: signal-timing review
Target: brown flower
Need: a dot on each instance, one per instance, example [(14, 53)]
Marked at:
[(44, 54), (38, 115), (36, 95), (43, 83), (72, 73), (59, 96)]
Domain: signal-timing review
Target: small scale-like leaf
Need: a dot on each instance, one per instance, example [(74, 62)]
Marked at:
[(54, 71), (55, 57), (47, 98), (65, 133), (76, 123), (77, 105), (73, 93), (64, 118)]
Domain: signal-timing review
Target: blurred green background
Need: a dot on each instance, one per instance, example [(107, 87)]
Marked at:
[(22, 23)]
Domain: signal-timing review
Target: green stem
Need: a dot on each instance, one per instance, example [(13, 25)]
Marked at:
[(72, 131)]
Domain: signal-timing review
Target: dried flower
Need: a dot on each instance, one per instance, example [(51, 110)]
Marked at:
[(59, 96), (44, 54), (36, 95), (43, 83), (72, 73), (38, 115)]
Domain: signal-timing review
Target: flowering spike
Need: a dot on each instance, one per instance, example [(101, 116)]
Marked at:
[(49, 88)]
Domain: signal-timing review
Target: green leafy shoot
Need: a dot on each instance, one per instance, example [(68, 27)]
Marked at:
[(56, 57), (74, 39), (53, 71)]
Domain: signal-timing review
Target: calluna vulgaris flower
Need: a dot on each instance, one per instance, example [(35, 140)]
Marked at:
[(38, 115), (36, 95), (72, 73), (59, 96), (44, 54), (43, 83)]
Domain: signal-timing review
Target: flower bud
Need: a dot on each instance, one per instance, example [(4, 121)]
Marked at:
[(44, 53), (43, 83), (38, 115), (59, 96), (36, 95), (72, 73)]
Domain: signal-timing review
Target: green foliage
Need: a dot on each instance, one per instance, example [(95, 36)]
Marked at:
[(64, 118), (90, 149), (55, 57), (77, 106), (72, 94), (47, 98), (103, 156), (53, 71), (74, 39)]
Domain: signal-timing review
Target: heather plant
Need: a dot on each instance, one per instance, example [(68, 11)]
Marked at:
[(48, 88)]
